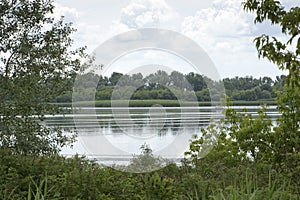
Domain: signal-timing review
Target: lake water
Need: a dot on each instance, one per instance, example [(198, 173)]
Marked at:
[(114, 135)]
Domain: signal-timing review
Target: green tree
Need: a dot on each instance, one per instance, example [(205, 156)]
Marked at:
[(245, 141), (158, 78), (145, 162), (177, 79), (35, 64), (196, 81), (114, 78), (137, 80), (285, 54)]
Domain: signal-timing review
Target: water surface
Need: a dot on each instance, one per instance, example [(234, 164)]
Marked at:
[(113, 135)]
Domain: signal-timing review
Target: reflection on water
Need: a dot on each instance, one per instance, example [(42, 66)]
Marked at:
[(115, 135)]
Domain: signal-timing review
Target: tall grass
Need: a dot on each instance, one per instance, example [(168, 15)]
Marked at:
[(39, 191), (249, 190)]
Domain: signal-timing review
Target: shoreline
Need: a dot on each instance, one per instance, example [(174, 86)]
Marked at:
[(161, 102)]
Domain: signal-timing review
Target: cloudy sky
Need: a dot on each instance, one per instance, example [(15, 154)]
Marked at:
[(220, 27)]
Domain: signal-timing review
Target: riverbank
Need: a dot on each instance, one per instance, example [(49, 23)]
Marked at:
[(162, 102)]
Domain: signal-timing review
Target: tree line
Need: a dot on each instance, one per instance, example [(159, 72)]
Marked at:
[(161, 85)]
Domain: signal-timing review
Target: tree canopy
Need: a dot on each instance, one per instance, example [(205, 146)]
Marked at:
[(158, 85), (35, 65)]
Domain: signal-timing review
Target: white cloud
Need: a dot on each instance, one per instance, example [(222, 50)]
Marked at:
[(137, 14), (145, 14), (70, 14), (226, 32), (87, 34), (289, 3), (224, 25)]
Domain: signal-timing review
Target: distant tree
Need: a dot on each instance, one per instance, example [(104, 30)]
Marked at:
[(125, 80), (265, 94), (196, 81), (103, 81), (203, 95), (158, 78), (177, 79), (137, 80), (114, 78), (35, 65)]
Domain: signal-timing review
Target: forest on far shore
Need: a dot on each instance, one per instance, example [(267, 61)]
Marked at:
[(161, 85)]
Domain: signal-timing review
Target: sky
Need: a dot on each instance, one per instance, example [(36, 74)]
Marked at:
[(220, 27)]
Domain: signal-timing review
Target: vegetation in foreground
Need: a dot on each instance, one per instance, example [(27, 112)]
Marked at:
[(252, 158), (217, 176)]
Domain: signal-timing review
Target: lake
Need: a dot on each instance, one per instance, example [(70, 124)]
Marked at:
[(114, 135)]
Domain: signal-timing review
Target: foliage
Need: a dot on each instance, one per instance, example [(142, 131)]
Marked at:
[(285, 54), (145, 162), (35, 66), (55, 177), (245, 141), (176, 85)]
